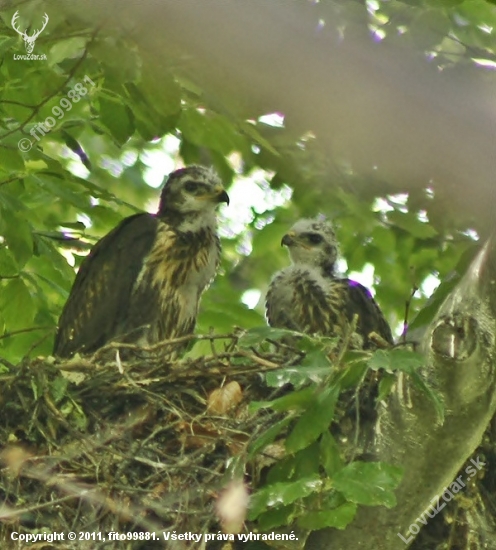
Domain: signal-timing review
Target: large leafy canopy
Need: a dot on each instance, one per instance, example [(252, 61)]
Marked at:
[(87, 136), (117, 127)]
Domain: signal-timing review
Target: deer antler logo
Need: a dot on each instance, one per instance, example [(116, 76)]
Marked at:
[(29, 41)]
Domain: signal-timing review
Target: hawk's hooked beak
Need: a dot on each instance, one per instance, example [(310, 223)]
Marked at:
[(220, 195), (288, 239), (223, 197)]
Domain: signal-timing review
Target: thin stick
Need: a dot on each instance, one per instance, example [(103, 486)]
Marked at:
[(408, 303)]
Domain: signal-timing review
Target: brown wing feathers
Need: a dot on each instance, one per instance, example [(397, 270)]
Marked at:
[(100, 297)]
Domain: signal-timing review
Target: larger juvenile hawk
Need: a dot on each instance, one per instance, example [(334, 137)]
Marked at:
[(143, 281), (309, 297)]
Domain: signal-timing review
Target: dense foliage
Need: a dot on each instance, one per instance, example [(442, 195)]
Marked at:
[(86, 140), (111, 126)]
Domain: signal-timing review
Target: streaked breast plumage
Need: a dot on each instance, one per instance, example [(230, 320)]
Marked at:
[(309, 297)]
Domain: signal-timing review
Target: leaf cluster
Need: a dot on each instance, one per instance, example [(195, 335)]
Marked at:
[(120, 125), (318, 480)]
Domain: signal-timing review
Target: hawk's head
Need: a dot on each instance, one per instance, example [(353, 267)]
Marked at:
[(194, 190), (312, 243)]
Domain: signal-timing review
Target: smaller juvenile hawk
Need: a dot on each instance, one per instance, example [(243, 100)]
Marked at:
[(143, 281), (309, 297)]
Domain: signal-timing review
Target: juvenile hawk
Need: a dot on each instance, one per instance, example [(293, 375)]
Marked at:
[(309, 297), (143, 281)]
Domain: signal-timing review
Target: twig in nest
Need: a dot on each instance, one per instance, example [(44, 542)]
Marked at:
[(282, 345), (379, 341), (257, 359), (119, 363), (56, 413), (91, 495), (8, 513), (24, 330), (6, 363), (76, 364), (212, 345), (160, 345)]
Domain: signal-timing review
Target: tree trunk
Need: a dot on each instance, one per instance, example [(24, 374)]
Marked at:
[(459, 346)]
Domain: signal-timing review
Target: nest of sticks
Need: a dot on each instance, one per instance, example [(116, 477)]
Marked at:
[(146, 444), (152, 444)]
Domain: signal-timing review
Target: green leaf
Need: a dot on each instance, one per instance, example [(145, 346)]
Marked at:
[(267, 437), (160, 90), (36, 165), (410, 223), (9, 201), (71, 410), (58, 388), (304, 463), (314, 421), (282, 494), (368, 483), (385, 386), (257, 335), (315, 367), (63, 190), (7, 43), (121, 61), (12, 160), (311, 344), (199, 348), (316, 359), (17, 305), (17, 233), (117, 118), (283, 470), (19, 96), (329, 454), (339, 517), (79, 417), (8, 264), (384, 239), (429, 27), (356, 367), (210, 130), (307, 461), (221, 308), (252, 131), (396, 359), (297, 375), (235, 470), (63, 49), (52, 268), (295, 400), (276, 517)]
